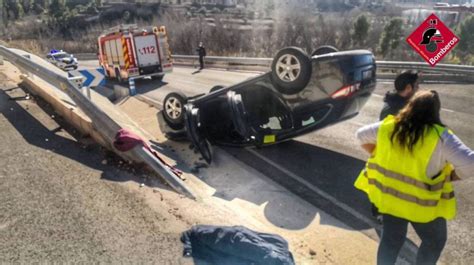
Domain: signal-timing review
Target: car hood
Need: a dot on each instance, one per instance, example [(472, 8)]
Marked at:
[(67, 60)]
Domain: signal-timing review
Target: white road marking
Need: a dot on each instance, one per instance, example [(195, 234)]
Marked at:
[(320, 192), (448, 110), (412, 248)]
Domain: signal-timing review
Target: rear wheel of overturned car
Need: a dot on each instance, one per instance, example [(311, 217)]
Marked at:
[(173, 110), (324, 49), (291, 70)]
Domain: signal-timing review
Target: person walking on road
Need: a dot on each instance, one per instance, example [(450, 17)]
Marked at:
[(202, 53), (408, 176), (406, 84)]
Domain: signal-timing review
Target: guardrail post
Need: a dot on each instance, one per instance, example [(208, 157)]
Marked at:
[(131, 83), (87, 91)]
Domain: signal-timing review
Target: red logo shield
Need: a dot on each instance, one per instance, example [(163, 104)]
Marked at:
[(432, 40)]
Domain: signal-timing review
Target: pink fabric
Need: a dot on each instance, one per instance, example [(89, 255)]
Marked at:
[(126, 140)]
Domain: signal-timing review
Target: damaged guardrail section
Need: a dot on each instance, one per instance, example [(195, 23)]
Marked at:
[(105, 125)]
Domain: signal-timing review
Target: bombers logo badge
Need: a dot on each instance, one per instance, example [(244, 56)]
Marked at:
[(432, 40)]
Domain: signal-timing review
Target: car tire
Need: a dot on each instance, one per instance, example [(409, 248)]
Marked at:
[(324, 49), (173, 110), (215, 88), (291, 70), (157, 77)]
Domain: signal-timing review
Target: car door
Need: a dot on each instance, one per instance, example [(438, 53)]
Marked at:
[(238, 114), (192, 123)]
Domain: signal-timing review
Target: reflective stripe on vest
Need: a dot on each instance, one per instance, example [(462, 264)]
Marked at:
[(408, 197), (395, 179)]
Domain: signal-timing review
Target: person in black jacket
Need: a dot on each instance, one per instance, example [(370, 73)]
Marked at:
[(406, 84), (202, 53)]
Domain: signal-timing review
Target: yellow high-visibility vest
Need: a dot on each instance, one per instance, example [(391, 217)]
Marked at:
[(395, 179)]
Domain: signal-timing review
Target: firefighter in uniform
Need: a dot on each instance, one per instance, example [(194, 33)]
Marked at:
[(408, 176), (202, 53)]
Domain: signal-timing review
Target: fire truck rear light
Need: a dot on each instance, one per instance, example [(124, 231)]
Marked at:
[(345, 91)]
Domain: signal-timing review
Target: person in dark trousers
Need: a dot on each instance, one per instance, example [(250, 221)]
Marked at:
[(414, 158), (406, 84), (202, 53)]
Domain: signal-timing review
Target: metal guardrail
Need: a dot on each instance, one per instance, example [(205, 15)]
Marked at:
[(386, 69), (105, 125), (86, 56)]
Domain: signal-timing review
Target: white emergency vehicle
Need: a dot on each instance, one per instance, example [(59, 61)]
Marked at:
[(62, 59)]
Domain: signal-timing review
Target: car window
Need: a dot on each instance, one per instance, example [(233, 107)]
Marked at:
[(328, 76), (265, 110), (61, 55)]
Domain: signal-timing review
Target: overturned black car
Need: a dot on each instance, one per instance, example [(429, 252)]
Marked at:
[(299, 95)]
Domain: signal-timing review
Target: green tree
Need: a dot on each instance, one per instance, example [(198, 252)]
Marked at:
[(27, 5), (3, 14), (465, 48), (361, 30), (391, 37), (39, 6), (57, 9), (13, 9)]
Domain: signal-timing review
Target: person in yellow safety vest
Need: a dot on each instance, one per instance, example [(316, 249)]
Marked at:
[(408, 176)]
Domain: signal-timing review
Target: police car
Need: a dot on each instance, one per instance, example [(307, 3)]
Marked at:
[(62, 59)]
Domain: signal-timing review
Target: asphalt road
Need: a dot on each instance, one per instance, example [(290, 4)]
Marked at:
[(66, 203), (321, 166)]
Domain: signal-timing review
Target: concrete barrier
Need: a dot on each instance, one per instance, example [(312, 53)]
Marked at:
[(72, 114), (106, 120)]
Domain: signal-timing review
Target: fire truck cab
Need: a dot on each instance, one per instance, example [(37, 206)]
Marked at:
[(127, 52)]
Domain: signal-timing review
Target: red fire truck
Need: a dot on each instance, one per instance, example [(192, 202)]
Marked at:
[(129, 52)]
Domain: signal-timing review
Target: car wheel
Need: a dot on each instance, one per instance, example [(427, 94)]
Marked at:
[(173, 110), (324, 49), (215, 88), (291, 70), (157, 77)]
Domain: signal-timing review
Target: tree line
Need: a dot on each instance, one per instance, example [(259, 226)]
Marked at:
[(383, 34)]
